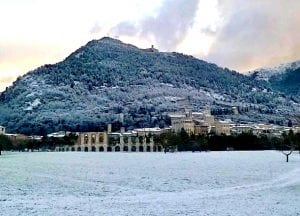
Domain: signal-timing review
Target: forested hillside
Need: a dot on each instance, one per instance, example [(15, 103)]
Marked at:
[(109, 81)]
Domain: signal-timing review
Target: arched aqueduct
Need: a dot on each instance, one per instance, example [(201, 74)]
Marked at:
[(140, 141)]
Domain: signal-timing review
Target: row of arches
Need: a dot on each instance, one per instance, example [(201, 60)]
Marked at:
[(113, 149), (93, 138)]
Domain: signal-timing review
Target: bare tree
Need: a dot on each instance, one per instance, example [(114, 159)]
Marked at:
[(287, 153), (288, 145)]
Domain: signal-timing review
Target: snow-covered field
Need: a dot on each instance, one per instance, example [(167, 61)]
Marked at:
[(214, 183)]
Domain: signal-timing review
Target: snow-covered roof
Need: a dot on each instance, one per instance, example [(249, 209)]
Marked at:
[(177, 115), (197, 113), (36, 137), (115, 133), (12, 134), (59, 134), (226, 121), (148, 129)]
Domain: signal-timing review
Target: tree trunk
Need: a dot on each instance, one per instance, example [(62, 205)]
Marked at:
[(287, 154)]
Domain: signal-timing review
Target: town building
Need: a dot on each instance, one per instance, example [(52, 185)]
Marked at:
[(138, 140), (241, 128), (202, 128), (296, 129), (59, 134), (223, 127), (16, 138), (265, 129), (192, 122), (199, 123)]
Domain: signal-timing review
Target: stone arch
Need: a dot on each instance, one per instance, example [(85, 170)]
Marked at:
[(101, 138), (141, 139), (117, 148), (141, 148), (101, 149), (93, 148), (109, 149), (148, 149), (86, 139), (159, 148), (133, 149), (134, 140), (72, 149), (78, 149), (93, 139), (62, 149), (125, 148), (154, 148), (86, 149), (67, 149)]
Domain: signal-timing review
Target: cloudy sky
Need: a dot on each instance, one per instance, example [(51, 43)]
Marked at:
[(239, 34)]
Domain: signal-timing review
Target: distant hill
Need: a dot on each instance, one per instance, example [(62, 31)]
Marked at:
[(110, 81), (283, 78)]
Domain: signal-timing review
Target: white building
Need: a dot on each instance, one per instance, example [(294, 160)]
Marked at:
[(241, 128), (192, 122), (223, 127), (182, 121), (59, 134), (296, 129)]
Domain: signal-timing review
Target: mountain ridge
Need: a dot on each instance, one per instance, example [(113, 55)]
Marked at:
[(265, 73), (107, 81), (284, 78)]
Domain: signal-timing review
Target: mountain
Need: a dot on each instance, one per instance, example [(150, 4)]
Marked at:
[(110, 81), (284, 78), (268, 72)]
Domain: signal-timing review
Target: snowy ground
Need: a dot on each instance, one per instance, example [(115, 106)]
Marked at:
[(215, 183)]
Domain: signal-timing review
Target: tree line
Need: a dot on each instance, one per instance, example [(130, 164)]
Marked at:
[(46, 143), (182, 141)]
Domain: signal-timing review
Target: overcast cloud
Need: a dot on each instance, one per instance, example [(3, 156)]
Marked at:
[(238, 34), (167, 28), (257, 33)]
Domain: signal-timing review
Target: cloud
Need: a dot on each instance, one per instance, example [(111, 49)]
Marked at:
[(17, 59), (96, 28), (257, 33), (167, 28), (125, 28)]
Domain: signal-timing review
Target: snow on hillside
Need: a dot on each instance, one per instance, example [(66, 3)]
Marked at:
[(214, 183), (32, 105), (267, 72), (106, 77)]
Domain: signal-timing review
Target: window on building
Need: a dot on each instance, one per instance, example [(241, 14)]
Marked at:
[(148, 139), (93, 138), (86, 139), (101, 138), (141, 139)]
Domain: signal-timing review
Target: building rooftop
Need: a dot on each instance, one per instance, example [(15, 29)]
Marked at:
[(177, 115), (148, 129), (59, 134)]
